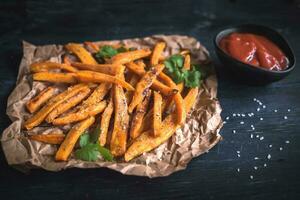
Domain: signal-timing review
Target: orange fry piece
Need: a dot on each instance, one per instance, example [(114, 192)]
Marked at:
[(81, 53), (138, 116), (156, 54), (46, 66), (55, 77), (90, 76), (51, 138), (157, 110), (129, 56), (36, 102), (105, 120), (102, 68), (68, 144)]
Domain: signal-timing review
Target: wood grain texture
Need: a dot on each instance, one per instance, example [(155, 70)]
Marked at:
[(211, 176)]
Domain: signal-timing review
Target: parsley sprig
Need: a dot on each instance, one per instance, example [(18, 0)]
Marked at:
[(191, 78), (108, 51), (90, 149)]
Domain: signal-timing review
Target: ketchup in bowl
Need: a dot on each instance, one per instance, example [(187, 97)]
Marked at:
[(255, 50)]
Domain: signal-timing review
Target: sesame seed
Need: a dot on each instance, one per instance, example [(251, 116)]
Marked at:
[(270, 145), (257, 136), (238, 114), (275, 110), (233, 114), (261, 138), (280, 148), (256, 158), (233, 131), (249, 114), (238, 152), (260, 103), (265, 165), (254, 99), (238, 169), (287, 142), (289, 110), (261, 119), (224, 122), (285, 117), (269, 156), (253, 128), (242, 122), (258, 109), (243, 115), (264, 106), (251, 135), (251, 177), (239, 155), (252, 114), (255, 167), (227, 118)]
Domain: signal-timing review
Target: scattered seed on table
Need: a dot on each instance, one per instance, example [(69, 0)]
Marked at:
[(243, 115), (270, 145), (280, 148), (242, 122), (285, 117), (238, 152), (257, 136), (261, 138), (265, 165), (251, 177), (239, 155), (251, 135), (258, 109), (233, 114), (261, 119), (264, 106), (238, 169), (256, 158), (289, 110), (233, 131), (255, 167), (227, 118), (275, 110), (269, 156), (287, 142)]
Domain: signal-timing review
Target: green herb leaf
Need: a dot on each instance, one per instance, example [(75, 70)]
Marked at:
[(121, 49), (89, 152), (84, 139), (174, 66), (106, 52), (105, 153)]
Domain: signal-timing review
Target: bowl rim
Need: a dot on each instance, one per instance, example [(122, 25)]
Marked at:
[(290, 67)]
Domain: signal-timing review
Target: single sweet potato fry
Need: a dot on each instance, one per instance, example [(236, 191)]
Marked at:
[(81, 114), (129, 56), (68, 144), (90, 76), (81, 53), (49, 138), (104, 123), (157, 110), (67, 104), (102, 68), (145, 82), (36, 102), (156, 54), (138, 116), (37, 118), (118, 142), (55, 77), (146, 142), (46, 66), (95, 48)]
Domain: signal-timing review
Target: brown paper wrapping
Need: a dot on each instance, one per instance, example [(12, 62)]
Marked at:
[(197, 136)]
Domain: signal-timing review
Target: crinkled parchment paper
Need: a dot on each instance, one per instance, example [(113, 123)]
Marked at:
[(197, 136)]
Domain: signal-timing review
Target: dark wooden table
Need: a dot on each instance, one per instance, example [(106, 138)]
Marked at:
[(211, 176)]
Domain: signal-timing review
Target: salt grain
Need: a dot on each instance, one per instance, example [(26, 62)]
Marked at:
[(261, 138), (280, 148), (269, 156)]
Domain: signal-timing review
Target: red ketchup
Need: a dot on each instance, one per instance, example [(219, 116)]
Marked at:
[(255, 50)]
